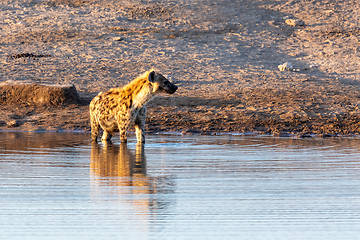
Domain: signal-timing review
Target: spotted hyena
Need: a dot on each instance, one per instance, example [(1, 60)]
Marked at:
[(116, 109)]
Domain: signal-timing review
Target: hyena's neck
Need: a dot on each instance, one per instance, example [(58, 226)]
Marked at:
[(143, 97)]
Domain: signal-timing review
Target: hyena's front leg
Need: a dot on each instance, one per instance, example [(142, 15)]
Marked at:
[(123, 132), (140, 125)]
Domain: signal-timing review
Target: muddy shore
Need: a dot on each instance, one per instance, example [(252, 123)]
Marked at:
[(224, 56)]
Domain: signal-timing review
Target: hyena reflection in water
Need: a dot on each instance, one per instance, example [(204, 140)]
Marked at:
[(116, 109), (126, 170), (114, 161)]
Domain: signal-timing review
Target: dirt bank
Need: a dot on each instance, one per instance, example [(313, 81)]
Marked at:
[(223, 55)]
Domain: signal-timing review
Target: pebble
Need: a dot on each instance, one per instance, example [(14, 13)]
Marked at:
[(294, 22), (286, 66), (13, 123)]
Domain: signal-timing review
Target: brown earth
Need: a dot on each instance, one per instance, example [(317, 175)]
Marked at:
[(223, 55)]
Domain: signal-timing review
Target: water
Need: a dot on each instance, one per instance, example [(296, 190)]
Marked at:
[(61, 186)]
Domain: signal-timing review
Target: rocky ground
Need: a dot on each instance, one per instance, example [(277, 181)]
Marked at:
[(224, 55)]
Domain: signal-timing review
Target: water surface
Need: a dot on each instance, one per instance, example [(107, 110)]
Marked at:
[(62, 186)]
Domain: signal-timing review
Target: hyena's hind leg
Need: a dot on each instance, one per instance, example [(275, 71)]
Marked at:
[(95, 127)]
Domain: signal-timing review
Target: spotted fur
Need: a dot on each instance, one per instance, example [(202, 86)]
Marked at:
[(118, 108)]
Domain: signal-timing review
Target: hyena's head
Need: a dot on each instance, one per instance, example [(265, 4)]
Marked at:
[(161, 84)]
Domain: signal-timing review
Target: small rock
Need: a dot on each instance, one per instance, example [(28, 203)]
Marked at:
[(13, 123), (286, 66), (294, 22), (119, 39), (313, 66)]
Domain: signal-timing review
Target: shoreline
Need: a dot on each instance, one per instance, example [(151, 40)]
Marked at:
[(185, 115), (239, 113), (191, 133)]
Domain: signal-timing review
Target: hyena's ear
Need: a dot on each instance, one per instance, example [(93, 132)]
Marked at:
[(152, 76)]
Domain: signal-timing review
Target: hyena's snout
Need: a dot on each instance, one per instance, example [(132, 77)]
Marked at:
[(170, 88)]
